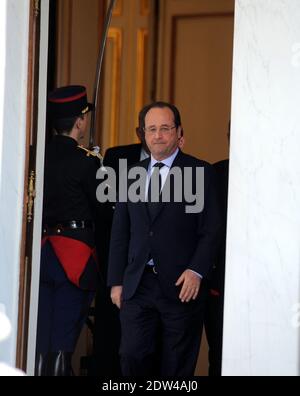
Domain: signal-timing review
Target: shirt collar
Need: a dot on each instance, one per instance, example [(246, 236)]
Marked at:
[(167, 162)]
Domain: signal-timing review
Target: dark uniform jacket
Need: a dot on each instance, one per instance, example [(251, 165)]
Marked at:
[(70, 196)]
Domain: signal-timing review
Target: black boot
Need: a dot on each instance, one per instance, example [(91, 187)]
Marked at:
[(41, 365), (61, 364)]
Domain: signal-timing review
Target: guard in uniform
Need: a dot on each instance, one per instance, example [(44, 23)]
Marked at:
[(69, 273)]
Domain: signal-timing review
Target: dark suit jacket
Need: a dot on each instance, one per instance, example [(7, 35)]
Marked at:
[(218, 275), (176, 240), (112, 156), (131, 152)]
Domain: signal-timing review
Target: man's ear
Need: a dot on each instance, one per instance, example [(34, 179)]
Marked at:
[(140, 133), (181, 142), (79, 122), (179, 132)]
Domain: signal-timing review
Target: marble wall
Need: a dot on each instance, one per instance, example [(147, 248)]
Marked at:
[(2, 71), (261, 332), (14, 50)]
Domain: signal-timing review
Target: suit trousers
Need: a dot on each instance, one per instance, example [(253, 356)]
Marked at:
[(63, 307), (213, 323), (160, 336)]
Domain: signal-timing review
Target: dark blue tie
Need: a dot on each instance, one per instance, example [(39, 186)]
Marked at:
[(153, 207)]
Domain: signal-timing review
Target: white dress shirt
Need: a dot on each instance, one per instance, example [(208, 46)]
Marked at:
[(168, 162)]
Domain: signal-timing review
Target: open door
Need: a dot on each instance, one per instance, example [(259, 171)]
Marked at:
[(35, 129)]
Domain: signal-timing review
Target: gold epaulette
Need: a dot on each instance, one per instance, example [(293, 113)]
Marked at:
[(91, 153)]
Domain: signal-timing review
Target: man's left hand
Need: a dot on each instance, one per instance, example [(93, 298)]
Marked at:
[(191, 283)]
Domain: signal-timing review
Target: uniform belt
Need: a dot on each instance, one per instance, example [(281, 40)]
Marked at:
[(67, 225), (152, 269)]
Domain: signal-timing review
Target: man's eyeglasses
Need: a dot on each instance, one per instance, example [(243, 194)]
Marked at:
[(163, 129)]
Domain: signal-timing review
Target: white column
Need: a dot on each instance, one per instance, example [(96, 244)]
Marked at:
[(14, 21), (2, 71), (261, 330)]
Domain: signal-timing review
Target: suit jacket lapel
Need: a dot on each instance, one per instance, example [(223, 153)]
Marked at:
[(145, 164)]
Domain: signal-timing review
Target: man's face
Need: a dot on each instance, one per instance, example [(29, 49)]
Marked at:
[(162, 136), (82, 125)]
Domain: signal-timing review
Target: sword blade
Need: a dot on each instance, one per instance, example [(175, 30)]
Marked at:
[(98, 71)]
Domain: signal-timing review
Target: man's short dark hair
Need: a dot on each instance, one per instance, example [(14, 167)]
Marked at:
[(159, 105), (64, 125)]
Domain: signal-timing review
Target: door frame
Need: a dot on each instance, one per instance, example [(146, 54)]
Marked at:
[(33, 192)]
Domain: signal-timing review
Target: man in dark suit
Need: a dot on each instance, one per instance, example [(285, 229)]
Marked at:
[(107, 322), (161, 256), (215, 306), (133, 153)]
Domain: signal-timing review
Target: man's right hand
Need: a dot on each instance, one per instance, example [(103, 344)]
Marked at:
[(116, 295)]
